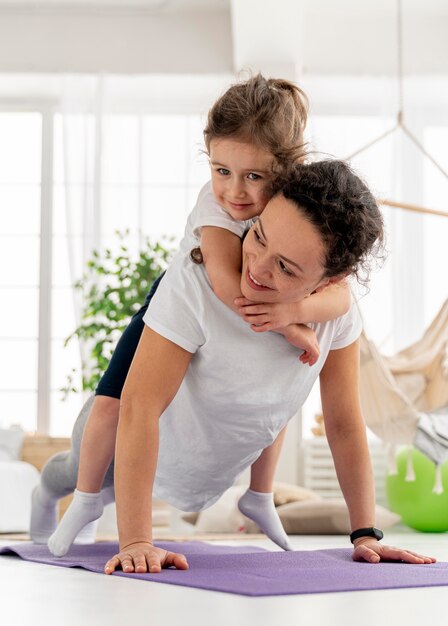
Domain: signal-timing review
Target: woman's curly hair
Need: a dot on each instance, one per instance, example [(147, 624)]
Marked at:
[(343, 210)]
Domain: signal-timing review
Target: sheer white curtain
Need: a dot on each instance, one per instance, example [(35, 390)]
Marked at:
[(77, 222), (123, 161)]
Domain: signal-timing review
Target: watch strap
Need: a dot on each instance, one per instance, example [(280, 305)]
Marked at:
[(366, 532)]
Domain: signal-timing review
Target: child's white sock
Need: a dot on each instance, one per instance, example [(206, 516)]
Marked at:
[(87, 535), (44, 515), (84, 508), (260, 508)]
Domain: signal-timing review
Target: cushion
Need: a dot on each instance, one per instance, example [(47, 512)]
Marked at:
[(285, 493), (225, 517), (325, 517), (17, 481), (11, 440)]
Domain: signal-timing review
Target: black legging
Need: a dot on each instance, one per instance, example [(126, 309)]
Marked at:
[(112, 381)]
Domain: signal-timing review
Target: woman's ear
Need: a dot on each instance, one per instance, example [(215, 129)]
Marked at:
[(327, 282)]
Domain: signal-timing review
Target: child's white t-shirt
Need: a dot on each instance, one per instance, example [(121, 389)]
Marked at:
[(239, 391), (207, 212)]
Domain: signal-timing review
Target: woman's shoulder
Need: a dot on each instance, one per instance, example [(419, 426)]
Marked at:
[(347, 328), (186, 280)]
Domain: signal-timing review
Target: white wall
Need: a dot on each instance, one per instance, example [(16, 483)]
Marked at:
[(125, 42), (365, 42), (332, 37)]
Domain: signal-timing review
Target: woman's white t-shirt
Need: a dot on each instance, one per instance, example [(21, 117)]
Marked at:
[(239, 391)]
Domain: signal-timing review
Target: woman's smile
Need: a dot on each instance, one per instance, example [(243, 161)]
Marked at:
[(255, 284)]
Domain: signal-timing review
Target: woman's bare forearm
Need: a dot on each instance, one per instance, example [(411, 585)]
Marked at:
[(161, 364), (135, 468), (346, 433), (354, 471)]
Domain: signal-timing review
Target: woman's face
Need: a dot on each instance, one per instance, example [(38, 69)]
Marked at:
[(282, 255)]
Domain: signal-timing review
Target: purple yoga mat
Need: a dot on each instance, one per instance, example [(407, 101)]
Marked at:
[(252, 571)]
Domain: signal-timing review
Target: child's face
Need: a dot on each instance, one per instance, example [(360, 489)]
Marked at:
[(241, 174)]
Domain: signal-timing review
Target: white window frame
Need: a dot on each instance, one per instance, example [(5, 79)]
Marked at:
[(46, 109)]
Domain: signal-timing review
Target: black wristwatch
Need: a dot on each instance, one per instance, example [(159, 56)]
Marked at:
[(366, 532)]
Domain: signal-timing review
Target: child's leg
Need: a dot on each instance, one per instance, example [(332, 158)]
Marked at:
[(258, 502), (98, 440), (97, 451), (98, 444), (58, 479)]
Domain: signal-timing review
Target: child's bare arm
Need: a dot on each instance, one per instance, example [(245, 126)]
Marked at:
[(303, 337), (332, 302), (221, 251), (328, 304)]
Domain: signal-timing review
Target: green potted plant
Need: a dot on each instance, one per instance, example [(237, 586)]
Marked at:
[(112, 289)]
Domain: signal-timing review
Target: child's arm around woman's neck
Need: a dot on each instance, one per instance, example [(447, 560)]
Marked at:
[(221, 252)]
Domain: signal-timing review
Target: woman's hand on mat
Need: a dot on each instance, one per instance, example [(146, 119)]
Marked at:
[(143, 558), (370, 550)]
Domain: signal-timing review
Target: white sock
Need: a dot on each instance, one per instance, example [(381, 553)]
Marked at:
[(44, 515), (260, 508), (87, 535), (84, 508)]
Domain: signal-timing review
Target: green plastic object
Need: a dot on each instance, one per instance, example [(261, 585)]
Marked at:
[(415, 501)]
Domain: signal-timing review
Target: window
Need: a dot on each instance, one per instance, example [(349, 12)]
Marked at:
[(147, 181), (20, 199), (140, 169)]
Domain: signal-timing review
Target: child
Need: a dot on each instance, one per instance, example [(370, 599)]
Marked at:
[(253, 134)]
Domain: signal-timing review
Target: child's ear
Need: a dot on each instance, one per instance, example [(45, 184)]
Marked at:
[(327, 282)]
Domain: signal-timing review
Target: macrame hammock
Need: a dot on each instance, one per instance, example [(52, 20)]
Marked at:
[(405, 397)]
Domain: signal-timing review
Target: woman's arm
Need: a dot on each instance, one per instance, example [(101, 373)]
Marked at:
[(155, 375), (346, 433), (221, 251)]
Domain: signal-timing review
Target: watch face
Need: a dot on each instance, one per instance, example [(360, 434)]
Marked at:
[(378, 534)]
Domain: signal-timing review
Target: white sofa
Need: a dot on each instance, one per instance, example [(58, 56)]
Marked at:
[(17, 481)]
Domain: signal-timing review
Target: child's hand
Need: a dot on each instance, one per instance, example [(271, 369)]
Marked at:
[(264, 316), (305, 338)]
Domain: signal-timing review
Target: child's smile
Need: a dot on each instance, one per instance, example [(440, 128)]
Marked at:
[(241, 175)]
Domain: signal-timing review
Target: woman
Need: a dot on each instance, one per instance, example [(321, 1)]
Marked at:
[(206, 396)]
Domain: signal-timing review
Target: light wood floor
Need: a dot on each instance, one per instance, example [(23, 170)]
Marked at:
[(38, 595)]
